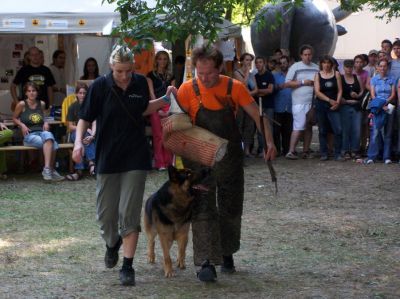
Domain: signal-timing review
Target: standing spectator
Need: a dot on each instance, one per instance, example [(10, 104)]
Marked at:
[(90, 69), (5, 136), (372, 60), (382, 94), (283, 109), (363, 75), (158, 80), (210, 100), (37, 73), (265, 85), (118, 102), (359, 69), (395, 64), (382, 55), (246, 123), (300, 78), (88, 138), (271, 64), (351, 111), (57, 69), (386, 46), (395, 73), (328, 89), (28, 115)]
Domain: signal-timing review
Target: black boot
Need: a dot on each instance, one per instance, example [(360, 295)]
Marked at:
[(111, 257), (127, 276), (207, 272), (228, 265)]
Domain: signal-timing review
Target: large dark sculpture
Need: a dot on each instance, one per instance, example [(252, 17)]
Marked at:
[(313, 24)]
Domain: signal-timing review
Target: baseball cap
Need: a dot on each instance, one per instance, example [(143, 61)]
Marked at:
[(373, 52)]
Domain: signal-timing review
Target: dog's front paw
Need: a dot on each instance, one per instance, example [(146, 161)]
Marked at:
[(169, 273), (181, 264)]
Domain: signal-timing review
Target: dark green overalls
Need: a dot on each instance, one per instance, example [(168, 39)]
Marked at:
[(216, 218)]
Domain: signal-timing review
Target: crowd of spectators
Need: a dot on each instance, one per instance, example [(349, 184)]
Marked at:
[(354, 103)]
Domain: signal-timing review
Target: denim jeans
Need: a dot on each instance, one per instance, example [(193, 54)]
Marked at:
[(90, 151), (327, 117), (351, 128), (379, 136)]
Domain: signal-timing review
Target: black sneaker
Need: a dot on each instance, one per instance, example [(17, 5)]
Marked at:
[(228, 265), (127, 276), (111, 257), (207, 272)]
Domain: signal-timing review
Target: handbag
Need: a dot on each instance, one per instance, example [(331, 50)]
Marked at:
[(311, 115)]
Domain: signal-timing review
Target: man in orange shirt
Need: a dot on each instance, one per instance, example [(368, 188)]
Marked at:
[(211, 101)]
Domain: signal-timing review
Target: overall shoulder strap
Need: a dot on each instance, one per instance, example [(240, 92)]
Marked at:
[(196, 87), (229, 89)]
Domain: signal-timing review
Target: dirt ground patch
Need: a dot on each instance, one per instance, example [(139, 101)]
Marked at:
[(333, 231)]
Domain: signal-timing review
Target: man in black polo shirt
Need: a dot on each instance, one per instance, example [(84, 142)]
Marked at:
[(265, 84), (118, 102), (37, 73)]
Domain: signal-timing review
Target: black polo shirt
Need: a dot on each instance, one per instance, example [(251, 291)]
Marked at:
[(263, 82), (121, 143)]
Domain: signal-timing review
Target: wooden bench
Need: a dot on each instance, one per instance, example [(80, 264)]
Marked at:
[(11, 148), (26, 148)]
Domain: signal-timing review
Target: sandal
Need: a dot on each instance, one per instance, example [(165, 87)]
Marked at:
[(73, 176), (92, 168)]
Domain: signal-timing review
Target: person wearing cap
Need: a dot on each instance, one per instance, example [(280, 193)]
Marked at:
[(372, 60), (118, 102)]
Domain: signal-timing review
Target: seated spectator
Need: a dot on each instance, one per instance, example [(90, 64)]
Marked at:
[(90, 69), (29, 116), (89, 137), (5, 136)]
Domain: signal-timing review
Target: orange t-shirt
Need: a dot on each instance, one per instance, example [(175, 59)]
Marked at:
[(190, 103)]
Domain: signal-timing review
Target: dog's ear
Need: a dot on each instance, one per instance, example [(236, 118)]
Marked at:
[(173, 174)]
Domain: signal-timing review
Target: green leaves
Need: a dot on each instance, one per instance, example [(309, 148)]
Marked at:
[(172, 20)]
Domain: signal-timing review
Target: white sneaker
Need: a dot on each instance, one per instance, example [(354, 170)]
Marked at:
[(369, 161), (47, 174), (388, 161), (56, 177)]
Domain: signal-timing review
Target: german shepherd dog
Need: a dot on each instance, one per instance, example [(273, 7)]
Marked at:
[(168, 213)]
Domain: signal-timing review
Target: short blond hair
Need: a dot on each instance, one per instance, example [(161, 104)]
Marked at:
[(121, 54)]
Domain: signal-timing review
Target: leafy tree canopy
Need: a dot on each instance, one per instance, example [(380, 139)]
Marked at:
[(172, 20)]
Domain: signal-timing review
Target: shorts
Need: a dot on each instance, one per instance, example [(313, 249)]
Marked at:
[(38, 138), (299, 112)]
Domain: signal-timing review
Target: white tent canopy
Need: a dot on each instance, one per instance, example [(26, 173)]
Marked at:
[(57, 16), (60, 23), (38, 23)]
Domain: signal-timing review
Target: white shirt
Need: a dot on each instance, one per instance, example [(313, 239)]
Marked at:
[(59, 77), (300, 71)]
